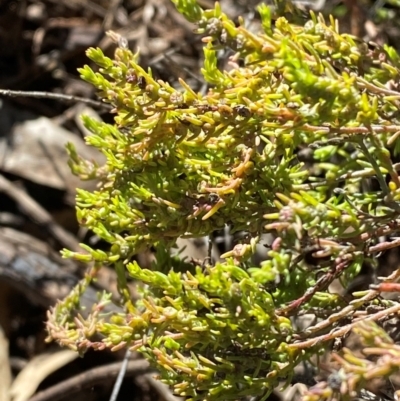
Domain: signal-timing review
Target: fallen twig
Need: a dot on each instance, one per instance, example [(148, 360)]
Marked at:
[(56, 96)]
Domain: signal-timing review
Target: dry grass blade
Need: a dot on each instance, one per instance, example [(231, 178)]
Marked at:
[(5, 371), (28, 380)]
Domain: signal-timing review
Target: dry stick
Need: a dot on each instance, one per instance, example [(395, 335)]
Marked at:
[(90, 378), (38, 214), (56, 96)]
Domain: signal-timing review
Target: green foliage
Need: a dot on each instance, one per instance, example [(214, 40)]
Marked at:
[(189, 8), (294, 140)]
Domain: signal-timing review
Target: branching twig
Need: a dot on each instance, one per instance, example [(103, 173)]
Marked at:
[(384, 246), (322, 283), (328, 277), (345, 329), (351, 130), (350, 309)]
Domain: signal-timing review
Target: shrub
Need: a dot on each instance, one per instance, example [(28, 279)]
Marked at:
[(297, 140)]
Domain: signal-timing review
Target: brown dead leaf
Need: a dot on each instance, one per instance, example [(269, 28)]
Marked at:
[(35, 150)]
